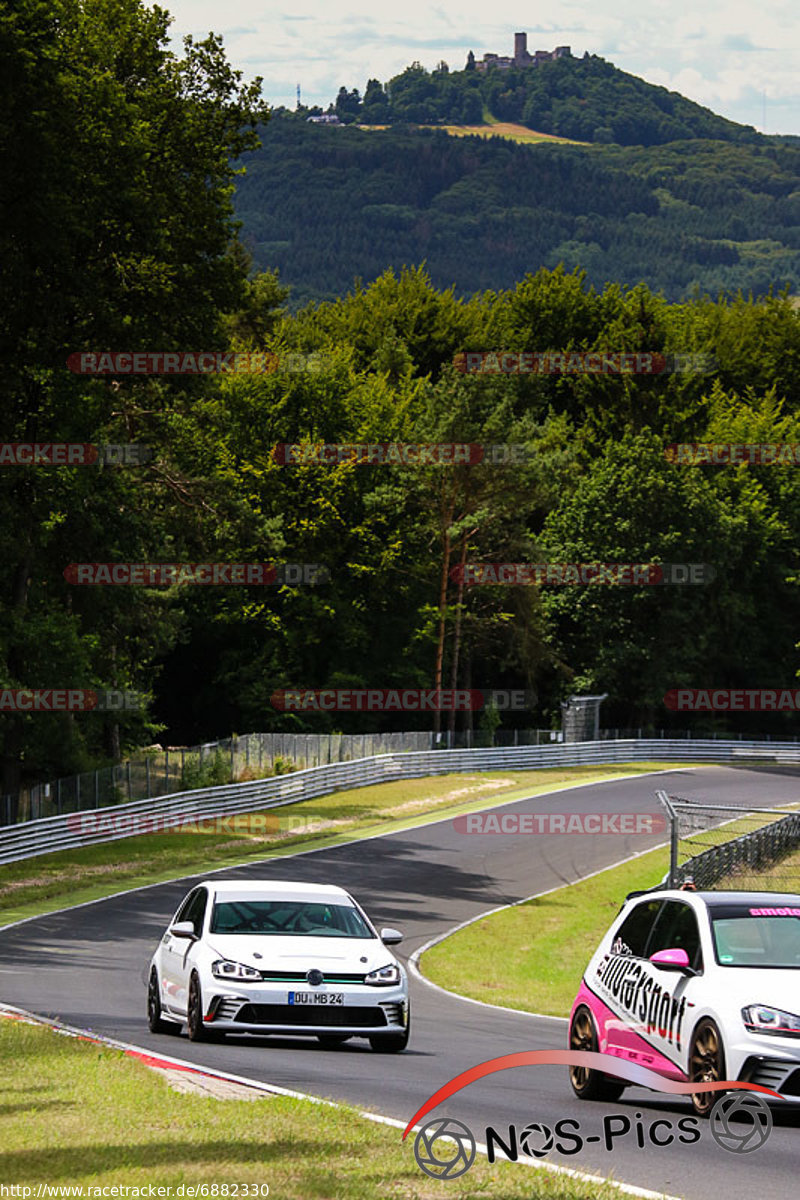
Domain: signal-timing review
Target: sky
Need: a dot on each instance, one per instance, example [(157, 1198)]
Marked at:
[(737, 58)]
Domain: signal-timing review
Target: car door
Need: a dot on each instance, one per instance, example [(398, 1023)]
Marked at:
[(621, 974), (674, 996), (175, 951)]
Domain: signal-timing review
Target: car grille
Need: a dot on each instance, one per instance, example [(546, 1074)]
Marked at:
[(394, 1013), (228, 1008), (769, 1072), (295, 1014), (300, 977)]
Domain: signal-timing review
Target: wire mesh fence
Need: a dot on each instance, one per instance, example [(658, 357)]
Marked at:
[(163, 771), (733, 847)]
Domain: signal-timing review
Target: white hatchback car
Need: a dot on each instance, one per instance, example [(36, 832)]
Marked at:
[(696, 986), (278, 958)]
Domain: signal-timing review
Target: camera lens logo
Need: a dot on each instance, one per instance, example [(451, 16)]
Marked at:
[(752, 1129), (440, 1159), (536, 1140)]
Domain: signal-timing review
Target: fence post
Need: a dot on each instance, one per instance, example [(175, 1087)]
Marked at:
[(147, 775), (97, 789), (128, 765), (166, 772)]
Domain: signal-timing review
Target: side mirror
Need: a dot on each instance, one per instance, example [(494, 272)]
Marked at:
[(390, 937), (672, 960), (183, 929)]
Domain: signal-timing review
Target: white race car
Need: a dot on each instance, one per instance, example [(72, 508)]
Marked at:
[(278, 958), (696, 986)]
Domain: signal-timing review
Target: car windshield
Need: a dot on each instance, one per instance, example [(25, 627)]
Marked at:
[(296, 918), (757, 936)]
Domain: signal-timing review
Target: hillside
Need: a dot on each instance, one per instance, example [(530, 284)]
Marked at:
[(584, 99), (325, 205)]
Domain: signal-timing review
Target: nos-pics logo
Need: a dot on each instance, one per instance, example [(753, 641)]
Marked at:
[(445, 1148)]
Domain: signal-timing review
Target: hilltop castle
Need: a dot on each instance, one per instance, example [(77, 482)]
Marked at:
[(521, 57)]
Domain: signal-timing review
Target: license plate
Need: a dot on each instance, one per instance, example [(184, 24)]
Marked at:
[(316, 997)]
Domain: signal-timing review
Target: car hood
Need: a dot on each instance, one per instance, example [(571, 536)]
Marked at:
[(287, 953), (761, 985)]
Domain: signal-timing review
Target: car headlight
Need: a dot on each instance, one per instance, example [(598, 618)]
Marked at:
[(384, 976), (223, 969), (762, 1018)]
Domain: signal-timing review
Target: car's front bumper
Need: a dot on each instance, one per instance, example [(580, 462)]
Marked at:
[(771, 1062), (365, 1011)]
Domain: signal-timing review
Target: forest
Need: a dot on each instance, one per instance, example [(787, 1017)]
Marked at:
[(118, 256), (586, 99), (325, 206)]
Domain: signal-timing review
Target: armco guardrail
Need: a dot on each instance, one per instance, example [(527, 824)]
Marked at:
[(109, 824)]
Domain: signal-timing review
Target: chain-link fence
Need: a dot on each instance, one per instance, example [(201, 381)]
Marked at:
[(733, 847), (161, 772)]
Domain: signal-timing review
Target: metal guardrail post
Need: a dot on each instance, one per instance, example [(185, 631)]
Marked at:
[(664, 799)]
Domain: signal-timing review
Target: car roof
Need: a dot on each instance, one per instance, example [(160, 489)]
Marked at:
[(721, 898), (277, 888)]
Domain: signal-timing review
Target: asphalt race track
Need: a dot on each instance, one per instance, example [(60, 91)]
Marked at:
[(88, 966)]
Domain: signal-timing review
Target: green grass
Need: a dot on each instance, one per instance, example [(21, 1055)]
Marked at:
[(50, 881), (532, 956), (77, 1114)]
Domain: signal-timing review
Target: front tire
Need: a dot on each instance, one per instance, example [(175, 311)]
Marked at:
[(198, 1031), (391, 1043), (155, 1020), (586, 1083), (706, 1064)]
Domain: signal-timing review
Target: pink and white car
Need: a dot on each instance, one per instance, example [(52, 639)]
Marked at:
[(695, 986)]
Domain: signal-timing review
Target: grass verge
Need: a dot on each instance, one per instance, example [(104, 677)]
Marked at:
[(50, 881), (532, 956), (74, 1114)]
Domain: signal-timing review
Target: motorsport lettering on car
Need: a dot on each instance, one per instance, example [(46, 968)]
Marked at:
[(591, 574), (696, 986)]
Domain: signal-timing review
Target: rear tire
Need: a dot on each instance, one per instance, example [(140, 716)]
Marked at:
[(155, 1020), (586, 1083)]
